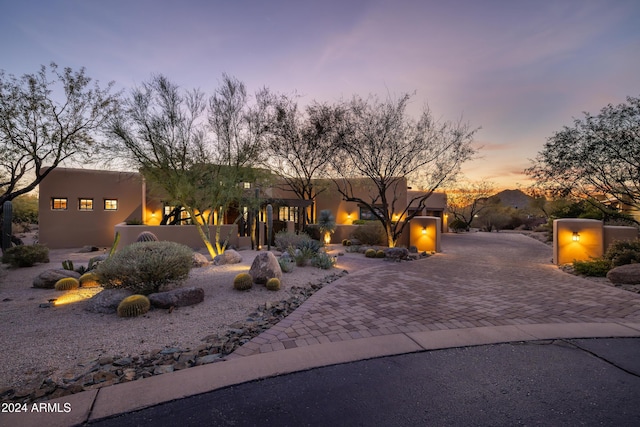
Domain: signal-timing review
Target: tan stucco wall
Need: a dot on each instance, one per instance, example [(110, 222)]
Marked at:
[(73, 228), (426, 233), (613, 233)]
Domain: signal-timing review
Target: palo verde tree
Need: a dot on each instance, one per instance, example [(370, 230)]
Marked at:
[(46, 118), (468, 199), (598, 156), (388, 148), (301, 145), (195, 151)]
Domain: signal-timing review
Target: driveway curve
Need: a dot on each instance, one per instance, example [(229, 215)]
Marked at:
[(479, 280)]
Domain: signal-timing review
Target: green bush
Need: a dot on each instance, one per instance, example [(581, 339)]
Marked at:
[(273, 284), (458, 225), (594, 267), (370, 253), (623, 252), (323, 261), (134, 305), (144, 267), (370, 233), (25, 209), (25, 255), (243, 282), (302, 256)]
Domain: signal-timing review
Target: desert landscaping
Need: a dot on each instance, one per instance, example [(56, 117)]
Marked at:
[(53, 349)]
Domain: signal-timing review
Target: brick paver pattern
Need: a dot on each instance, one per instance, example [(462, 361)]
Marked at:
[(480, 279)]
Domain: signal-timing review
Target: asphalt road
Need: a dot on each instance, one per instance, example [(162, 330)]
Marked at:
[(552, 383)]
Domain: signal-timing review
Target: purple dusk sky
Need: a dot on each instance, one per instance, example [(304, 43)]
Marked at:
[(518, 69)]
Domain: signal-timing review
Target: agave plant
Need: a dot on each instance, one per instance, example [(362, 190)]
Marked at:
[(326, 224)]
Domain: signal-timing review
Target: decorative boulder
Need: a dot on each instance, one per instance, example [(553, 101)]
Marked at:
[(265, 266), (199, 260), (180, 297), (397, 254), (229, 256), (86, 249), (107, 301), (48, 279), (628, 274)]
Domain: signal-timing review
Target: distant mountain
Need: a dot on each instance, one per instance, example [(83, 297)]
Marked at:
[(514, 198)]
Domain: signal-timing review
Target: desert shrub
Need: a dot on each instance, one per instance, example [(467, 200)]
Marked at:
[(25, 255), (285, 240), (312, 246), (273, 284), (89, 280), (144, 267), (25, 209), (134, 221), (370, 233), (380, 254), (302, 256), (323, 261), (134, 305), (623, 252), (594, 267), (243, 282), (344, 242), (146, 236), (458, 225), (67, 284), (313, 231), (286, 264), (370, 253), (360, 221)]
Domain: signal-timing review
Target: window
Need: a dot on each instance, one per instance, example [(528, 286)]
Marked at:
[(110, 204), (59, 203), (366, 214), (85, 204), (288, 213), (175, 215), (246, 185)]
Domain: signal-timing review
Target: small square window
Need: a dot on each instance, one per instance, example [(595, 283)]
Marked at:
[(85, 204), (110, 204), (246, 185), (59, 203)]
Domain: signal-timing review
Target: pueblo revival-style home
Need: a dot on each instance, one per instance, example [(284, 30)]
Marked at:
[(82, 207)]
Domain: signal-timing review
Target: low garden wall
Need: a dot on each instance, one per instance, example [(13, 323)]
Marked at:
[(185, 234), (577, 239)]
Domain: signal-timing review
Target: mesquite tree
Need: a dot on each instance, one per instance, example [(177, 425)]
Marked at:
[(598, 156), (388, 148), (46, 118)]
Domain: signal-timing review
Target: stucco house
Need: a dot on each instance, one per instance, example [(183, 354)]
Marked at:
[(81, 207)]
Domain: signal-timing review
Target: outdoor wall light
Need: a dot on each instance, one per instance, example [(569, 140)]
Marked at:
[(424, 230), (348, 215), (576, 236)]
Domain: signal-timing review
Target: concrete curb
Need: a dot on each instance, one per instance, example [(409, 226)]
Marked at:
[(126, 397)]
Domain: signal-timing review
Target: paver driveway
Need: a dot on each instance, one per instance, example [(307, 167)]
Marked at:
[(480, 279)]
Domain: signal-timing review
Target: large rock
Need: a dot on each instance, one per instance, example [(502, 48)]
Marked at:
[(265, 266), (199, 260), (625, 274), (229, 256), (107, 301), (180, 297), (397, 254), (48, 279)]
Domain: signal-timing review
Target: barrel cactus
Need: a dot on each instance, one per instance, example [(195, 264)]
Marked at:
[(134, 305), (89, 280), (243, 282), (146, 236), (67, 284), (370, 253), (380, 254), (273, 284)]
